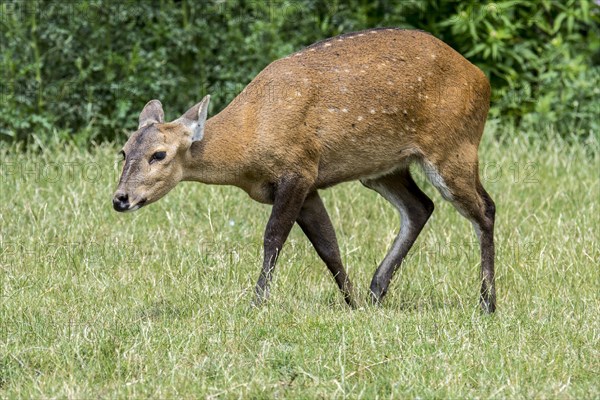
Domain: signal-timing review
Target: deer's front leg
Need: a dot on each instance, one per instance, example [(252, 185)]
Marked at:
[(288, 199)]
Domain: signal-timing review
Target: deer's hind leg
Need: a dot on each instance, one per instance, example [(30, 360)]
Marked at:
[(415, 208), (457, 179)]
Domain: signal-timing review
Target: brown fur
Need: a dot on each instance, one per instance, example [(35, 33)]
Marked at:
[(292, 115), (359, 106)]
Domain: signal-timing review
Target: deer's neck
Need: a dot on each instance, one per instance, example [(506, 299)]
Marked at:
[(219, 157)]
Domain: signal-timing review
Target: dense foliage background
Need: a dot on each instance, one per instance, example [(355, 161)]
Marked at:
[(83, 70)]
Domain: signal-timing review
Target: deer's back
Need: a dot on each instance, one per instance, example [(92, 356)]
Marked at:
[(360, 103)]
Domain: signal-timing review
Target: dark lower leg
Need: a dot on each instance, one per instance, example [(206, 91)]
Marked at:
[(488, 290), (415, 208), (486, 241), (314, 221), (479, 208), (384, 273), (289, 197)]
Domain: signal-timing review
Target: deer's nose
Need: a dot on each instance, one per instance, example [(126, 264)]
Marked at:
[(121, 201)]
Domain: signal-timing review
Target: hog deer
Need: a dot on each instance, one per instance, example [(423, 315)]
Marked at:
[(360, 106)]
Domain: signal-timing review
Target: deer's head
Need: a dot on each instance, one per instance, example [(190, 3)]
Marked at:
[(154, 154)]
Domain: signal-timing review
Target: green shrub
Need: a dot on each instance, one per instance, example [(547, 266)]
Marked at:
[(541, 56), (82, 71)]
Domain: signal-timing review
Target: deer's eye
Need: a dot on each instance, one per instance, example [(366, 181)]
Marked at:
[(159, 155)]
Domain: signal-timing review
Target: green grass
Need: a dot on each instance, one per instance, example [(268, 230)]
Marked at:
[(156, 303)]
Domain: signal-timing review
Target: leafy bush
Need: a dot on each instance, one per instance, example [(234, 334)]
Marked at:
[(542, 57), (90, 66)]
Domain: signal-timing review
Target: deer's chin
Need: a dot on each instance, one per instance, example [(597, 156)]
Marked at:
[(137, 205)]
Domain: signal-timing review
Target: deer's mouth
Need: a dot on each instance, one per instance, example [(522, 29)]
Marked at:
[(121, 203), (137, 205)]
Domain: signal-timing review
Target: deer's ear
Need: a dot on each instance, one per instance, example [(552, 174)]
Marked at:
[(152, 113), (195, 118)]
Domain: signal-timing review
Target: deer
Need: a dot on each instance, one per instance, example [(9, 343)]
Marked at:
[(360, 106)]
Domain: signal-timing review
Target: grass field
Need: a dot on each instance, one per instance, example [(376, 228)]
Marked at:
[(156, 303)]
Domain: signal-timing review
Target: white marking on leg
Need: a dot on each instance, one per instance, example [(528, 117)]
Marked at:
[(477, 229), (436, 179)]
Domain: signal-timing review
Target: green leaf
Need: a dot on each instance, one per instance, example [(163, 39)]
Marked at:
[(558, 22)]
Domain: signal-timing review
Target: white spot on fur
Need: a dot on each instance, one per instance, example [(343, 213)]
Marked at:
[(344, 110), (361, 34), (390, 83), (312, 49), (360, 118), (340, 40), (327, 44), (419, 78), (433, 57), (331, 110), (346, 70), (405, 112), (372, 111), (362, 71)]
